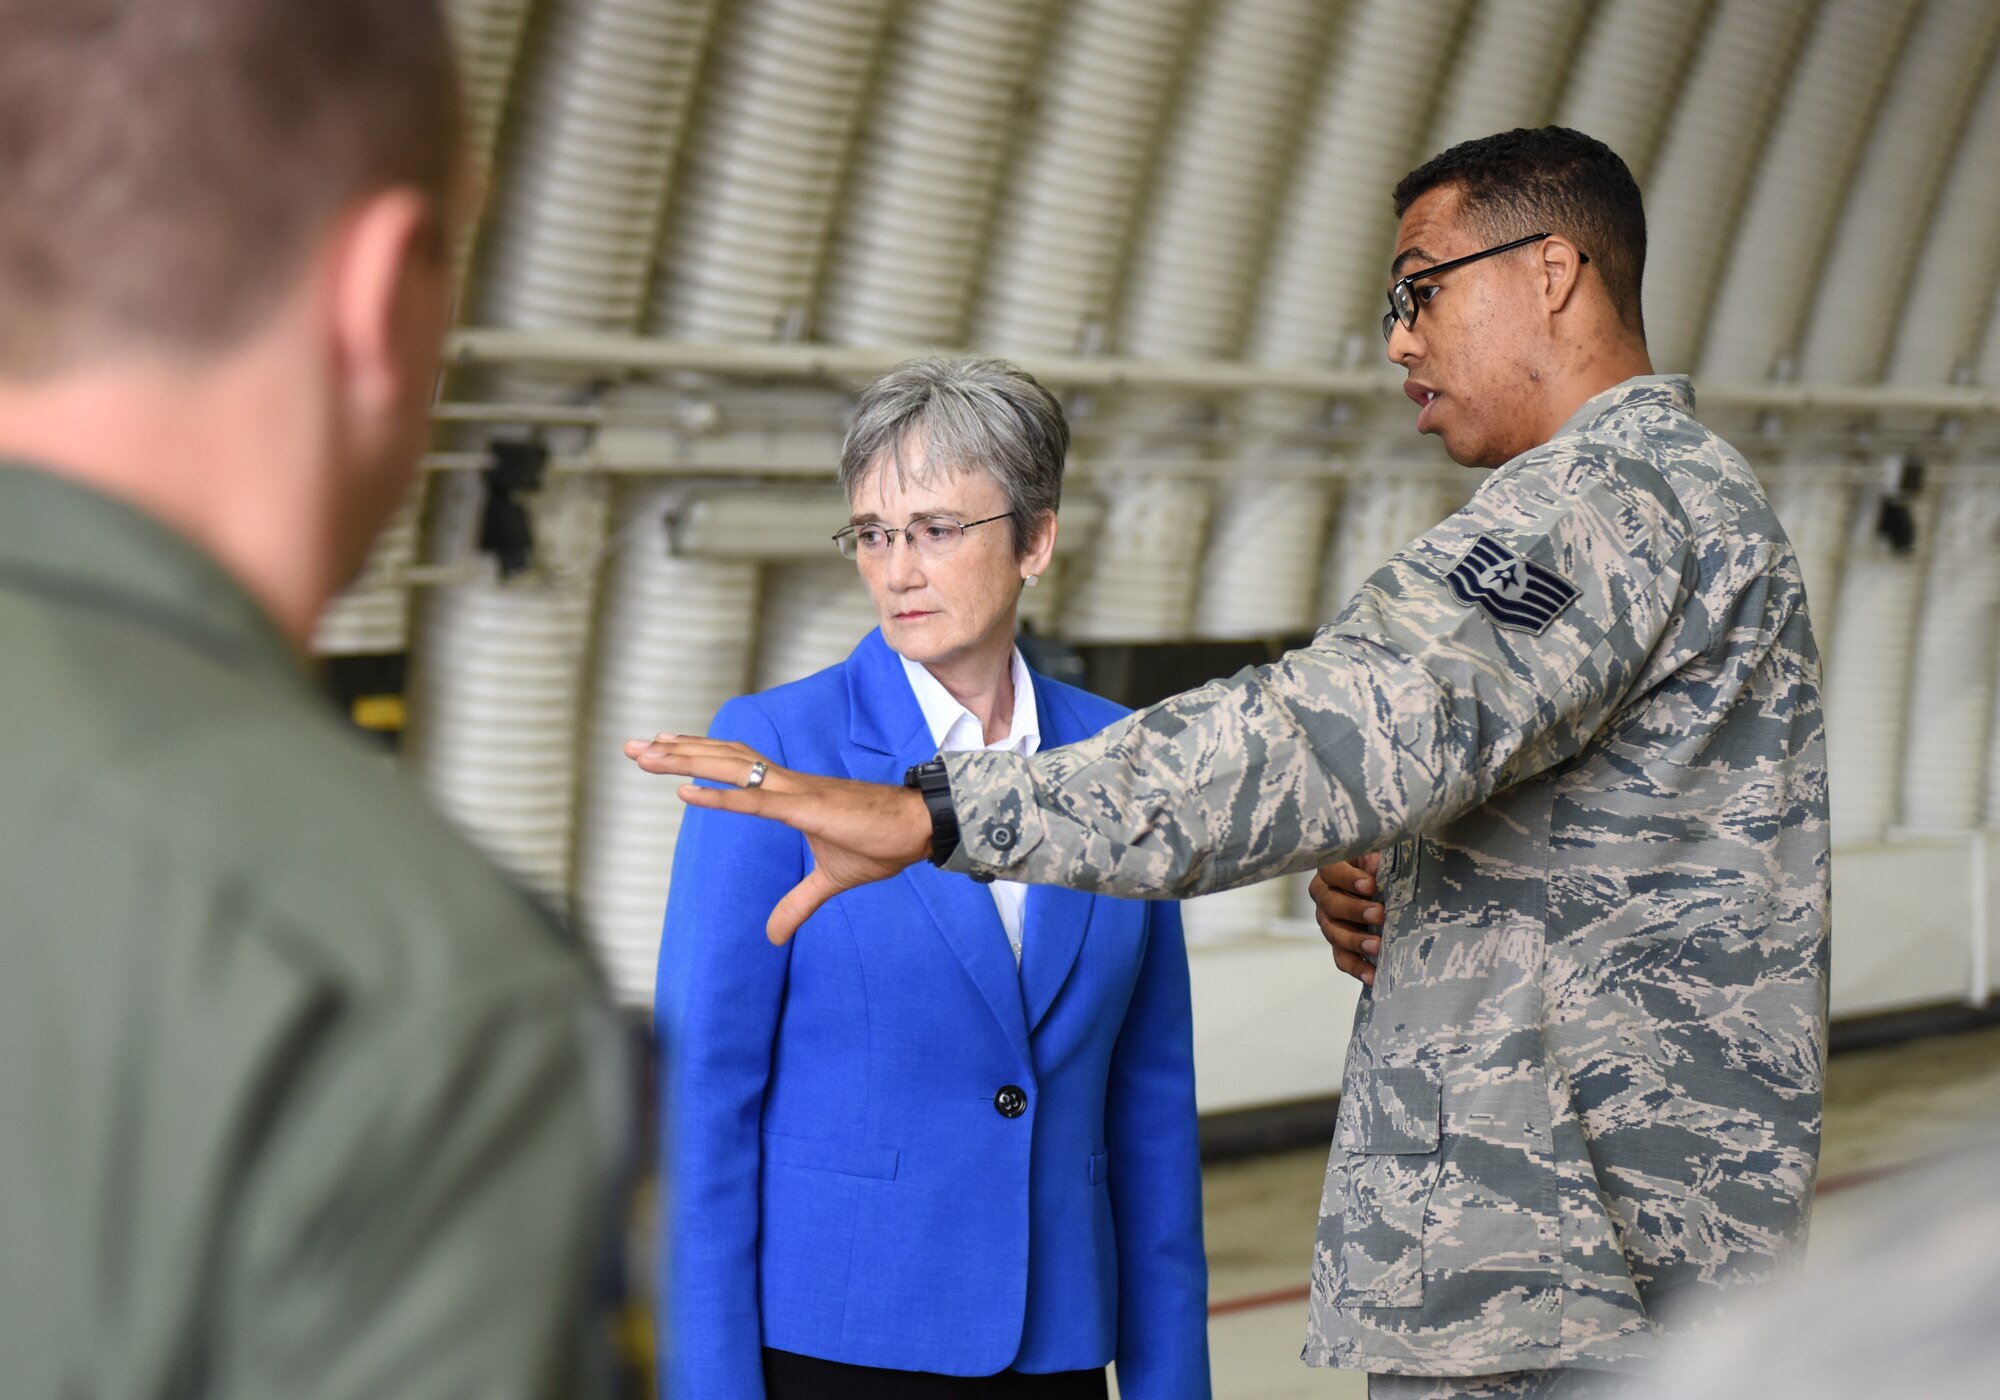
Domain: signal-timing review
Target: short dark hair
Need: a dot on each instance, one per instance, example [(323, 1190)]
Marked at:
[(1551, 178), (170, 163)]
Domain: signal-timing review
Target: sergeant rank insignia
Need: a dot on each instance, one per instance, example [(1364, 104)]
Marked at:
[(1513, 591)]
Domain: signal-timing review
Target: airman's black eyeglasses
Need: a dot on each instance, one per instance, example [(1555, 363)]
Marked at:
[(1404, 301)]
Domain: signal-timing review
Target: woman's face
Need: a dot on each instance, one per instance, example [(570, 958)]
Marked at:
[(936, 611)]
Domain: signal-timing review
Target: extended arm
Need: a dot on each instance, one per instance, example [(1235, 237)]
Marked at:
[(1415, 706), (1489, 650)]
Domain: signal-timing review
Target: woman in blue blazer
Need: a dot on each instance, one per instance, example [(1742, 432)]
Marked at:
[(943, 1142)]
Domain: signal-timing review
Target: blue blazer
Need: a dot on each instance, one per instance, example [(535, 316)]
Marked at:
[(884, 1144)]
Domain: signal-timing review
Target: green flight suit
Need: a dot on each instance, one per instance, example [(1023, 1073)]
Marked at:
[(298, 1097)]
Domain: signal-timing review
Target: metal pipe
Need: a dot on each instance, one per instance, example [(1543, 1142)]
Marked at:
[(578, 349), (590, 350)]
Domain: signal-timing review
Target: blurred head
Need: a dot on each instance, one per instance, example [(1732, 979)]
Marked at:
[(1504, 348), (194, 182), (939, 442)]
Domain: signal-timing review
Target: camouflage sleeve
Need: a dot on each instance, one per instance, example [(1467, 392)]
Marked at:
[(1487, 651)]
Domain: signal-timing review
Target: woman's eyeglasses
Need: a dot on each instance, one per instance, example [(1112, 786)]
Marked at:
[(931, 536)]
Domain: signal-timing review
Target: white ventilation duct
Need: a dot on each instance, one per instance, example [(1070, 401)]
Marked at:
[(1627, 73), (1960, 264), (1266, 553), (493, 692), (684, 631), (1801, 178), (1051, 274), (1192, 269), (497, 671), (488, 37), (813, 615), (1816, 507), (1192, 265), (1992, 806), (1385, 506), (1065, 220), (1868, 672), (1509, 67), (1698, 182), (1895, 187), (577, 217), (1952, 686), (1081, 520), (1320, 299), (1138, 583), (1321, 303), (372, 618), (1989, 373), (1201, 242), (496, 675), (767, 150), (927, 170)]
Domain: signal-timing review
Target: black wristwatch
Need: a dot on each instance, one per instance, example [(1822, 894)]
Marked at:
[(933, 780)]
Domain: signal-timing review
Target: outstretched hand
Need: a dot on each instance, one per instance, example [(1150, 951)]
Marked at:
[(858, 832)]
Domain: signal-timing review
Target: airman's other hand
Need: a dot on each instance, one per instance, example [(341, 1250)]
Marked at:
[(1345, 901)]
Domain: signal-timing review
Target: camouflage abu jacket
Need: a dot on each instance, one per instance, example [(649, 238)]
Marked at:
[(1582, 716)]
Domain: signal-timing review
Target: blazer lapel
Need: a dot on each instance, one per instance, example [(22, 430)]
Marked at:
[(886, 736), (963, 911), (1052, 929)]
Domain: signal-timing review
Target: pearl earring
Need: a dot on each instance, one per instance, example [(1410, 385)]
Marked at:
[(1032, 579)]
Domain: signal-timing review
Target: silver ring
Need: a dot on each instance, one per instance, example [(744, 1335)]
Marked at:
[(757, 772)]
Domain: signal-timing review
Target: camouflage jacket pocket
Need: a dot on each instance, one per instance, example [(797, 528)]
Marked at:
[(1387, 1146)]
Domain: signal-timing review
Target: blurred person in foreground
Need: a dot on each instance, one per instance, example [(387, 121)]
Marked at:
[(1904, 1301), (945, 1144), (300, 1097), (1580, 718)]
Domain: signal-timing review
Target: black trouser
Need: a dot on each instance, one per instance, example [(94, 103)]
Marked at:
[(789, 1376)]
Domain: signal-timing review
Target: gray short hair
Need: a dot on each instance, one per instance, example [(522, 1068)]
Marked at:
[(972, 414)]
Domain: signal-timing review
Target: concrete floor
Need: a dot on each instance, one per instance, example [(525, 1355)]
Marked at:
[(1885, 1109)]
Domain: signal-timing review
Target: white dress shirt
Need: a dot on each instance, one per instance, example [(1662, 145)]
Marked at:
[(955, 729)]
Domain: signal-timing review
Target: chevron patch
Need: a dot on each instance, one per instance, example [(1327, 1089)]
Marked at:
[(1513, 591)]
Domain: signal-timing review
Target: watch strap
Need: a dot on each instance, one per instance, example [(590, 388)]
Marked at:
[(932, 780)]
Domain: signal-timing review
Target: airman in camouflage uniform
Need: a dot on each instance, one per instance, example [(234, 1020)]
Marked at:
[(1581, 718), (1586, 1084)]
